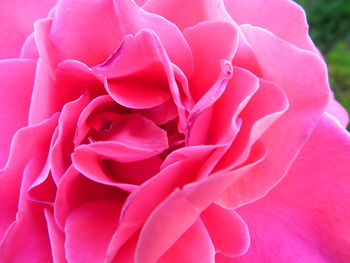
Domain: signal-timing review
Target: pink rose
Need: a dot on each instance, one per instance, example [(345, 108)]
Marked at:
[(168, 131)]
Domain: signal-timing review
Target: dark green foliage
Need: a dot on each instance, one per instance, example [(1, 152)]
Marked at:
[(330, 29)]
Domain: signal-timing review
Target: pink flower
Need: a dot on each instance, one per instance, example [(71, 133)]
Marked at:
[(168, 131)]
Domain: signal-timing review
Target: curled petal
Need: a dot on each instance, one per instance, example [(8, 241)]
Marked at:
[(227, 230)]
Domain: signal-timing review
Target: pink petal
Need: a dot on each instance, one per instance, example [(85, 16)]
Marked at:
[(147, 78), (101, 104), (284, 18), (88, 231), (186, 13), (227, 230), (57, 238), (28, 143), (19, 94), (54, 87), (16, 23), (307, 215), (203, 39), (200, 115), (133, 19), (29, 48), (122, 173), (141, 203), (62, 146), (272, 103), (307, 92), (27, 238), (240, 88), (75, 35), (338, 111), (193, 246), (179, 211), (75, 190)]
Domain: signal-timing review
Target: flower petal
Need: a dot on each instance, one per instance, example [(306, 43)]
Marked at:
[(134, 19), (193, 246), (307, 92), (227, 230), (203, 39), (284, 18), (14, 91), (16, 23), (27, 238), (75, 190), (307, 215), (57, 237), (28, 143), (186, 13), (147, 78), (76, 36), (88, 230)]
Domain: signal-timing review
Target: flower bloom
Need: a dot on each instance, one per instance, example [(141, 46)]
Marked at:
[(166, 131)]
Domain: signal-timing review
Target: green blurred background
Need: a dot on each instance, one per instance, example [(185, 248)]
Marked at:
[(329, 22)]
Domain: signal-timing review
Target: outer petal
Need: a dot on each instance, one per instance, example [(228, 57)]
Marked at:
[(16, 23), (306, 217), (87, 31), (284, 18), (27, 239), (88, 231), (14, 100), (307, 92), (337, 110), (27, 143)]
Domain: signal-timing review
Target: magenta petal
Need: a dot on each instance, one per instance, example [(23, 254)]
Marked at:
[(176, 214), (14, 117), (307, 92), (186, 13), (27, 143), (88, 231), (16, 23), (284, 18), (240, 88), (203, 39), (29, 48), (338, 111), (27, 238), (272, 103), (75, 35), (307, 215), (57, 238), (147, 78), (75, 190), (227, 230), (122, 172), (193, 246), (142, 202), (180, 210), (134, 19), (62, 146)]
